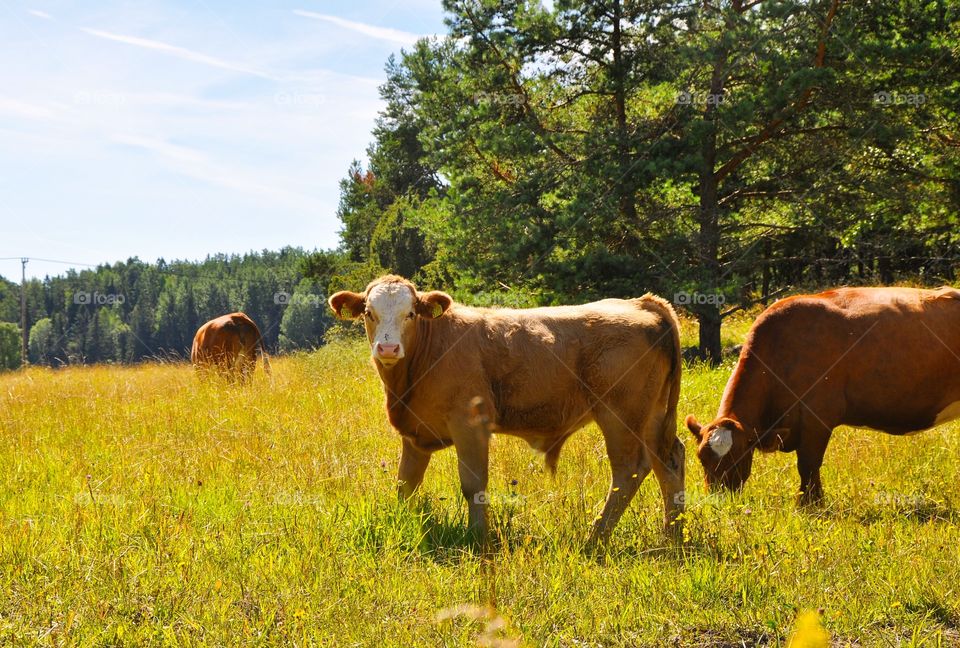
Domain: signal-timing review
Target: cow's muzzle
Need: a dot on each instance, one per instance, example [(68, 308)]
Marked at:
[(388, 354)]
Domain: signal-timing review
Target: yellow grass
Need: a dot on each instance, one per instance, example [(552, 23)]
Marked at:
[(139, 506)]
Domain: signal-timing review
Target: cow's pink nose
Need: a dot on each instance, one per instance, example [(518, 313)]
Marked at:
[(388, 350)]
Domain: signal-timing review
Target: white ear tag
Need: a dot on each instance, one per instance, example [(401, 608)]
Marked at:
[(721, 440)]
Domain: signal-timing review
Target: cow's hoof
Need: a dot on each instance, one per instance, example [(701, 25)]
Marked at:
[(674, 531), (809, 500), (595, 550)]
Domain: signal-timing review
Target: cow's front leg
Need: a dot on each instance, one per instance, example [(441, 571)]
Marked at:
[(472, 443), (413, 463), (813, 445)]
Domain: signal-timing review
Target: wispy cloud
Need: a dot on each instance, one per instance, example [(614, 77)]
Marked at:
[(199, 165), (162, 147), (39, 14), (174, 50), (381, 33), (17, 108)]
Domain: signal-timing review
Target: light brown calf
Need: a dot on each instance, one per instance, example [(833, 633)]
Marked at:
[(540, 374)]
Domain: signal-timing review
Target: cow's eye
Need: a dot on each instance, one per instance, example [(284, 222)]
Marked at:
[(411, 315), (368, 313)]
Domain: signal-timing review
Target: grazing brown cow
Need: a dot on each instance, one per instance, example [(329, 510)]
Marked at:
[(229, 345), (883, 358), (452, 374)]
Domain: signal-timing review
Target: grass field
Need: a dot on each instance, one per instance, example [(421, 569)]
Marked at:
[(139, 506)]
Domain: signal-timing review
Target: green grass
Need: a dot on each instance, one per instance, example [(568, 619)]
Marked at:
[(140, 506)]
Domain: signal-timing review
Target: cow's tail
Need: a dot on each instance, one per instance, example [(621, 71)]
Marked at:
[(669, 341), (262, 352), (669, 430)]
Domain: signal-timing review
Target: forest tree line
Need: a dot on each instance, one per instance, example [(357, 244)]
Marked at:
[(131, 310), (717, 153)]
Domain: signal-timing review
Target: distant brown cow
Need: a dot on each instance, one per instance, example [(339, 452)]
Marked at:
[(229, 345), (453, 373), (883, 358)]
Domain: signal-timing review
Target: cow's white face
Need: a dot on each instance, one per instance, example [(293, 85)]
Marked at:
[(724, 452), (390, 309), (389, 316)]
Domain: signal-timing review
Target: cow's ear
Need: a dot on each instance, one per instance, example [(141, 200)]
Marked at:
[(433, 304), (347, 305), (693, 426), (731, 424)]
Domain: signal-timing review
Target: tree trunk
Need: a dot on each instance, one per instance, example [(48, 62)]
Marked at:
[(884, 269), (765, 277), (626, 192), (708, 311)]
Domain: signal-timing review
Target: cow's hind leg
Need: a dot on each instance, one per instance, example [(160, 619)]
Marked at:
[(413, 464), (629, 465), (244, 365), (668, 467)]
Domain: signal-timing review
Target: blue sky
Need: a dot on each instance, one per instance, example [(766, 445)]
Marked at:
[(180, 129)]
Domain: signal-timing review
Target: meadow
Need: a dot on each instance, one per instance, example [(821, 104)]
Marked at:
[(140, 506)]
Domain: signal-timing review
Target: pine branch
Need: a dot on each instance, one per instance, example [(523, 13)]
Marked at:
[(773, 128)]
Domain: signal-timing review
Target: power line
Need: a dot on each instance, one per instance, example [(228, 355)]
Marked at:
[(76, 263), (165, 271)]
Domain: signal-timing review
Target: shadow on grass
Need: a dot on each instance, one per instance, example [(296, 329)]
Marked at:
[(918, 508), (933, 607), (711, 638), (416, 528), (422, 528)]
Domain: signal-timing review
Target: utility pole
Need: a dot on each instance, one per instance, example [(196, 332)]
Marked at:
[(23, 311)]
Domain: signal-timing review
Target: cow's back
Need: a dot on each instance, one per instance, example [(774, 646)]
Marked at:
[(885, 358), (548, 368), (225, 339)]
